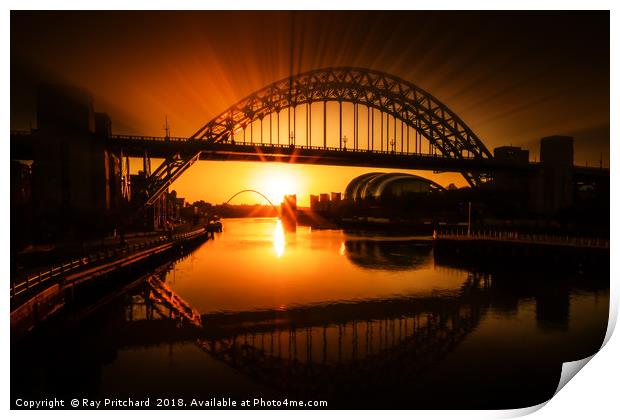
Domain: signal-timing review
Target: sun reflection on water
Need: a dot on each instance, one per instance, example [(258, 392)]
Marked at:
[(279, 241)]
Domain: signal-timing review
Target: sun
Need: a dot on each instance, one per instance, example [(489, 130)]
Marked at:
[(277, 181)]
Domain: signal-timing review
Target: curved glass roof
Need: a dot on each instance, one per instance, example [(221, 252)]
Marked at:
[(374, 184)]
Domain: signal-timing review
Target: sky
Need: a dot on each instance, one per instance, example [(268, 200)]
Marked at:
[(513, 77)]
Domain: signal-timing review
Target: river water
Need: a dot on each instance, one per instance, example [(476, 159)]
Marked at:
[(359, 320)]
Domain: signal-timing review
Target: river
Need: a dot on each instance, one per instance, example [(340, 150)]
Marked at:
[(359, 320)]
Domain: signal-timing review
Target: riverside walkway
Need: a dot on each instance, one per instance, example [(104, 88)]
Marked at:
[(94, 262), (40, 295)]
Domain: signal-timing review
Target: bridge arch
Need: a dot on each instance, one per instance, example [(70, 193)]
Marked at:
[(256, 192), (389, 94)]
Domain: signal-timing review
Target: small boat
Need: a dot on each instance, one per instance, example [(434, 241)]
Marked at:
[(214, 226)]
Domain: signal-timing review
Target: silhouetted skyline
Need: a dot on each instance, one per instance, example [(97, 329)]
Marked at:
[(513, 77)]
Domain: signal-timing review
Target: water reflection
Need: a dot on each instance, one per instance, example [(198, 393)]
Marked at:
[(257, 264), (279, 240), (385, 327), (388, 254), (319, 349)]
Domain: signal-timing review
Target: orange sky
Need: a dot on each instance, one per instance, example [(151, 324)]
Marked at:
[(274, 180), (277, 179), (512, 77)]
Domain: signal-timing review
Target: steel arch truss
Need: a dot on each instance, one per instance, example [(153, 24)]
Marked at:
[(389, 94)]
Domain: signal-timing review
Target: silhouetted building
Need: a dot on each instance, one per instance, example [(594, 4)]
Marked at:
[(511, 154), (21, 204), (381, 198), (64, 109), (103, 125), (21, 184), (379, 186), (321, 202), (545, 190), (175, 205), (288, 210), (556, 157), (512, 188), (290, 203), (314, 202), (153, 217), (75, 181), (324, 202), (202, 208)]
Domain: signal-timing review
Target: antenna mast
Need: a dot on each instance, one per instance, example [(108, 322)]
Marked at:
[(167, 128)]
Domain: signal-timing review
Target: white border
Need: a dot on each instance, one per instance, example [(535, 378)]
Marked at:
[(593, 393)]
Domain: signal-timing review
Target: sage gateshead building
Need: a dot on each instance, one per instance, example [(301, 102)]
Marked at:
[(379, 186)]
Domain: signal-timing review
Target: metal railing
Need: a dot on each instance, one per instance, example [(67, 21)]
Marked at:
[(512, 236), (286, 146), (60, 271)]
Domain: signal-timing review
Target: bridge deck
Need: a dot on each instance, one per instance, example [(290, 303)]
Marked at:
[(160, 147), (22, 144)]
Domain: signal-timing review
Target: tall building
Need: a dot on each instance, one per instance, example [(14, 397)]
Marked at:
[(175, 205), (512, 189), (314, 202), (288, 210), (556, 157), (21, 204), (154, 217), (324, 202), (75, 180)]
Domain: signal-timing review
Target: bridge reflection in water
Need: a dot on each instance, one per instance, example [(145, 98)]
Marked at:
[(333, 349), (450, 338)]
